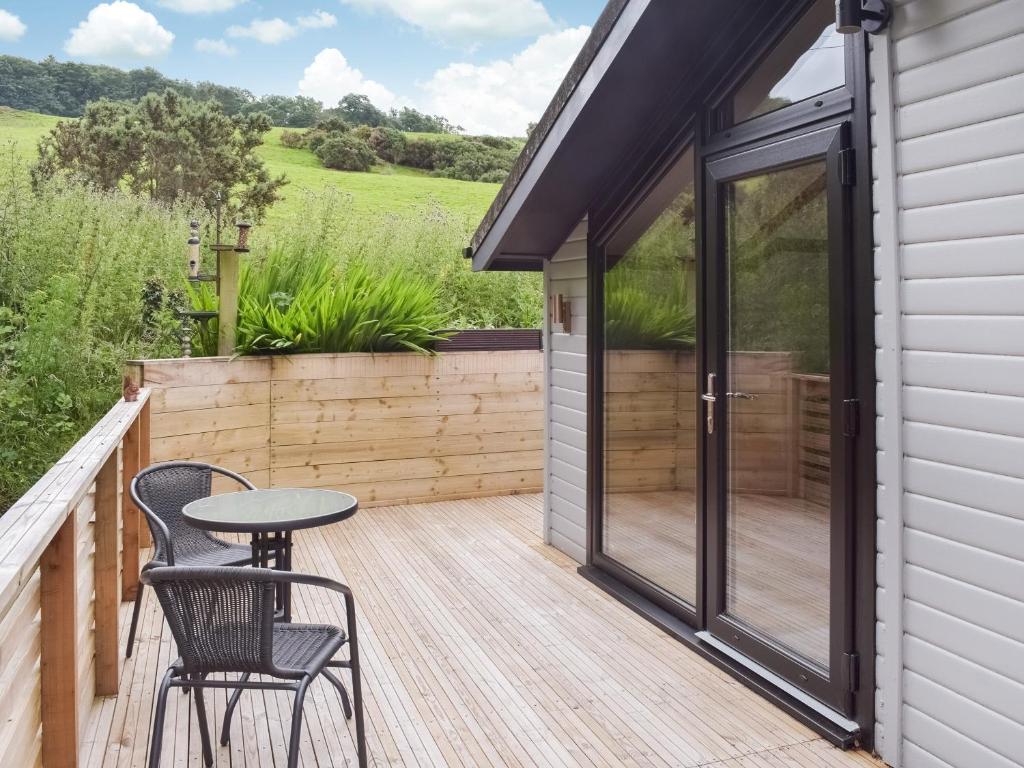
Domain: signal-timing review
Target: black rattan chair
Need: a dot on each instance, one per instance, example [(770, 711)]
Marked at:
[(222, 620), (161, 491)]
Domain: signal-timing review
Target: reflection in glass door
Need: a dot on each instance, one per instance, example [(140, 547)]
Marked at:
[(779, 589), (776, 409), (650, 435)]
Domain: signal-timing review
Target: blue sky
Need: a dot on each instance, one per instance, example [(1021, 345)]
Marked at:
[(490, 65)]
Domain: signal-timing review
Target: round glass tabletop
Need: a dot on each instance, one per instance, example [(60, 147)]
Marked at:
[(271, 509)]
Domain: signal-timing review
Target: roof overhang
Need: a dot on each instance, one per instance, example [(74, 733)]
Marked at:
[(637, 56)]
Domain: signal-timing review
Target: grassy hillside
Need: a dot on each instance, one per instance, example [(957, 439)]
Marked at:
[(23, 130), (388, 189)]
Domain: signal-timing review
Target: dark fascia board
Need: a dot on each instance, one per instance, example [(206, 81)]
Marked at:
[(578, 84)]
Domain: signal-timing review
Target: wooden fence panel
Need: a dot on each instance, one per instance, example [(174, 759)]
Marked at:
[(391, 428)]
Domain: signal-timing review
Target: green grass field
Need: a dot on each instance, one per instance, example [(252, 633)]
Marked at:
[(387, 189)]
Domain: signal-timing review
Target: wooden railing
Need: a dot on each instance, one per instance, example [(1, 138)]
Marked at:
[(69, 555)]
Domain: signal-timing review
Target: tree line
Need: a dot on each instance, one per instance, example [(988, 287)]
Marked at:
[(64, 88)]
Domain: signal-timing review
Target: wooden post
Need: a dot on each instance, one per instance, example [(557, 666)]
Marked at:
[(145, 538), (131, 523), (227, 319), (58, 648), (107, 574)]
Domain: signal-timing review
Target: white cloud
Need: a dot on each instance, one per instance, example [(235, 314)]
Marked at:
[(317, 20), (467, 20), (200, 6), (329, 78), (270, 31), (11, 27), (119, 30), (504, 96), (217, 47)]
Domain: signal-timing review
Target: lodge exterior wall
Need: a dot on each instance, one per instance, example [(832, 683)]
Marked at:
[(948, 129)]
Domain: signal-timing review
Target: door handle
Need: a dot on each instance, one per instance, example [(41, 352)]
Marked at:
[(741, 395), (709, 397)]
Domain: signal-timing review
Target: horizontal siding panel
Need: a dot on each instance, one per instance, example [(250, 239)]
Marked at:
[(986, 101), (987, 610), (570, 417), (1002, 736), (568, 472), (969, 487), (1003, 575), (568, 342), (569, 435), (569, 454), (960, 751), (998, 414), (997, 177), (570, 528), (577, 382), (972, 67), (995, 335), (972, 143), (978, 257), (992, 217), (995, 533), (1000, 454), (913, 17), (962, 638), (996, 374), (569, 399), (567, 490), (973, 681), (1002, 295), (570, 547), (568, 361), (568, 510), (958, 34)]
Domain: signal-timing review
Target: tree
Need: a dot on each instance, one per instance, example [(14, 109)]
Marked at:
[(167, 146), (357, 109)]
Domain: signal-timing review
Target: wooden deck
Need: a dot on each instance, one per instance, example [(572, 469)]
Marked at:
[(481, 647)]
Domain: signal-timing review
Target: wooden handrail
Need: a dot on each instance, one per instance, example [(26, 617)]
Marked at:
[(42, 537)]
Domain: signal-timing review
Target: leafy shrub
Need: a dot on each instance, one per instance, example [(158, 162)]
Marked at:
[(332, 125), (494, 177), (387, 143), (73, 264), (293, 139), (313, 306), (345, 152), (419, 153)]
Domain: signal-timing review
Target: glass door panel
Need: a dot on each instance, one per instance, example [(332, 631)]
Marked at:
[(779, 589), (777, 527), (648, 525)]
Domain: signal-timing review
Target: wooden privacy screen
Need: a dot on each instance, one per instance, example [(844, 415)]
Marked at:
[(389, 428), (69, 553)]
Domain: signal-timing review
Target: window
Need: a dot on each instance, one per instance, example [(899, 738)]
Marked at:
[(809, 60)]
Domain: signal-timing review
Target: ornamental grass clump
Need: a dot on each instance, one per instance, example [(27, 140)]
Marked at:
[(317, 305)]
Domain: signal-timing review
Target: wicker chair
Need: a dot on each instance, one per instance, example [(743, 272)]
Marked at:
[(222, 620), (161, 491)]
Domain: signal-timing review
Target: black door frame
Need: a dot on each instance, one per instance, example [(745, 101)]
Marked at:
[(824, 144), (698, 119)]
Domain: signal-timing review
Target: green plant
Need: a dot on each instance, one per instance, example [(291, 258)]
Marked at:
[(634, 319), (345, 152), (313, 306), (387, 143), (293, 139)]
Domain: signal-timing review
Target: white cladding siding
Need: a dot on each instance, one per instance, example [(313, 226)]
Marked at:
[(565, 449), (949, 231)]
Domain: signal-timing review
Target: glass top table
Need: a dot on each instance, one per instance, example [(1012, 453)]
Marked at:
[(270, 510), (269, 516)]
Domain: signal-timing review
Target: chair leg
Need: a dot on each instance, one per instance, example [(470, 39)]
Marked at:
[(293, 741), (345, 705), (156, 742), (225, 732), (204, 726), (357, 685), (135, 621)]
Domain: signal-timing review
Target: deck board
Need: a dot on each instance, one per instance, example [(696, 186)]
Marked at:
[(481, 647)]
